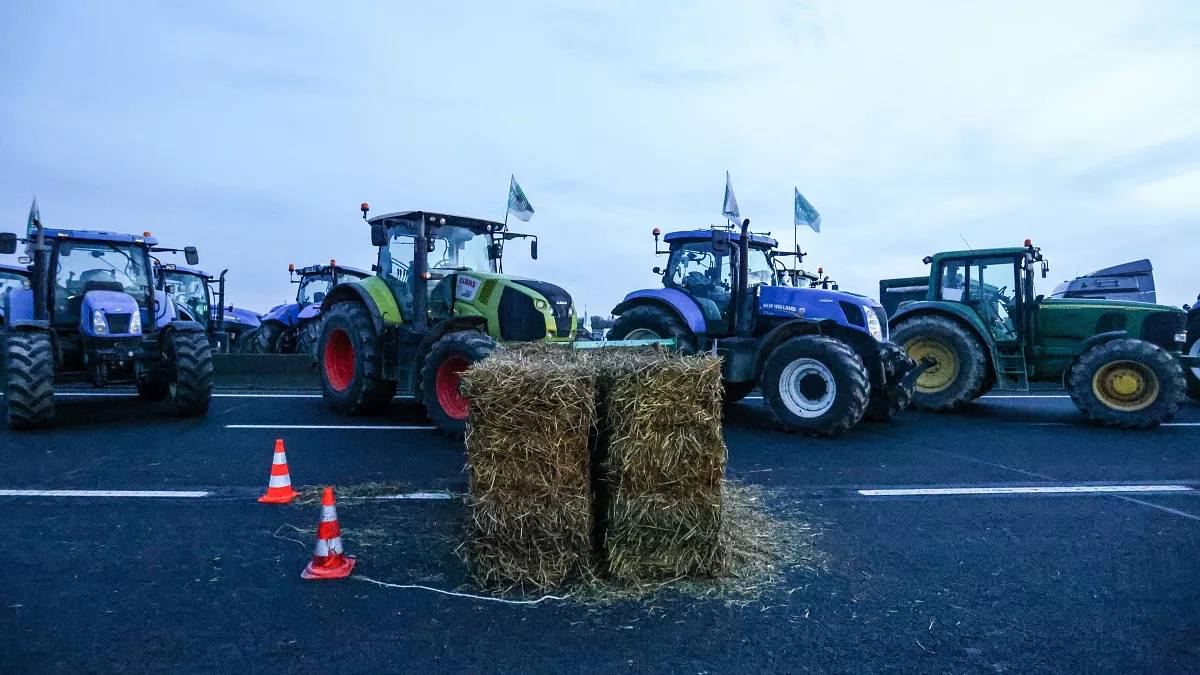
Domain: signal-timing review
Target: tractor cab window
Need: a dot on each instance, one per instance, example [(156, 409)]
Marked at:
[(954, 282), (191, 291), (990, 286), (761, 271), (314, 288), (454, 249), (705, 275), (457, 248), (96, 266)]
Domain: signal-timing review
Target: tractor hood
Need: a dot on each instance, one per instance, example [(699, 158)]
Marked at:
[(1107, 305), (108, 314), (520, 309), (236, 316), (858, 311), (286, 314)]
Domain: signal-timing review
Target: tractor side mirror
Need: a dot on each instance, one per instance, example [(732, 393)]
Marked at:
[(1045, 269), (533, 249), (8, 242), (191, 255), (720, 241), (657, 270), (379, 235)]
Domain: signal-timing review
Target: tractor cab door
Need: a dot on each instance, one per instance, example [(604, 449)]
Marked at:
[(395, 266), (990, 286), (706, 276)]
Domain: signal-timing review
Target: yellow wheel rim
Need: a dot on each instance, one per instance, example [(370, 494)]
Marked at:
[(1127, 386), (944, 370)]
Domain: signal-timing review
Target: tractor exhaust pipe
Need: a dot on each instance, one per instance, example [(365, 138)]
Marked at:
[(741, 308)]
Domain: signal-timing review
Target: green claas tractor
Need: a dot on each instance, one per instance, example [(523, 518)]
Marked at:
[(977, 318), (437, 303)]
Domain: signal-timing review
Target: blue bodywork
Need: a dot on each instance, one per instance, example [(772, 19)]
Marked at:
[(683, 304), (111, 305), (244, 319), (287, 315)]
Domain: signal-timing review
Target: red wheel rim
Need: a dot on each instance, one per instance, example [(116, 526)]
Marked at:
[(446, 387), (339, 360)]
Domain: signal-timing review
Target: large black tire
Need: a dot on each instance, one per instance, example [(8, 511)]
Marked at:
[(1130, 384), (960, 372), (888, 402), (191, 363), (263, 340), (29, 379), (649, 322), (732, 392), (796, 386), (308, 337), (350, 358), (444, 365), (1192, 348)]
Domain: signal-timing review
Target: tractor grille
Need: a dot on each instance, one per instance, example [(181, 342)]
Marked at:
[(485, 293), (118, 323), (1160, 329), (854, 314), (560, 304), (520, 320)]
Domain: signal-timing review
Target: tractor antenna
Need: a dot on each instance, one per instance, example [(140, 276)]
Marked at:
[(965, 241)]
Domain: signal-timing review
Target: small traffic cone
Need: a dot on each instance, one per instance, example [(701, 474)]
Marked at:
[(329, 562), (279, 490)]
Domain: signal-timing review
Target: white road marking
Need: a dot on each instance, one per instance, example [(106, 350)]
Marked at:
[(1018, 490), (184, 494), (1160, 507), (1072, 424), (419, 495), (1025, 396), (365, 427)]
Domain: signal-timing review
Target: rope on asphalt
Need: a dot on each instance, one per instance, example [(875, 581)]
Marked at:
[(459, 595)]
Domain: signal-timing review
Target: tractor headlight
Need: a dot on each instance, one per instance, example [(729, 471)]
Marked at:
[(135, 325), (873, 323), (99, 323), (540, 304), (1181, 338)]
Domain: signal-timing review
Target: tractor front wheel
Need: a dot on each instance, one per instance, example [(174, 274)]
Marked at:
[(190, 357), (815, 385), (959, 371), (308, 337), (1192, 348), (649, 322), (264, 339), (1130, 384), (444, 366), (351, 361), (29, 379)]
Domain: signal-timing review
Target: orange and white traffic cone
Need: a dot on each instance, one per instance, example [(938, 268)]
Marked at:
[(329, 561), (279, 490)]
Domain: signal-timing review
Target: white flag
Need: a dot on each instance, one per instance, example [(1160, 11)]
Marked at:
[(518, 205), (806, 214), (730, 209)]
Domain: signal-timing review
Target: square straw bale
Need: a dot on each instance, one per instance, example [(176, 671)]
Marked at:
[(531, 410)]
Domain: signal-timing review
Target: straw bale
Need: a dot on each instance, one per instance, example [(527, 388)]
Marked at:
[(531, 410)]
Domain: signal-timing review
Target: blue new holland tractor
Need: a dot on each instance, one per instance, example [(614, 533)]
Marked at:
[(92, 313), (200, 297), (821, 357), (295, 327)]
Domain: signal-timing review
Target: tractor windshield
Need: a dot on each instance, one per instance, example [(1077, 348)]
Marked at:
[(457, 248), (191, 291), (88, 266), (760, 270), (314, 288)]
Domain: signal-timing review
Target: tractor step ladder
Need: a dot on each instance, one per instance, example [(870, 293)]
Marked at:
[(1014, 373)]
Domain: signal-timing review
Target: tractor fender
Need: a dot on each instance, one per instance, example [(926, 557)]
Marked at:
[(957, 313), (29, 325), (671, 299), (1099, 339), (437, 332), (184, 327), (308, 312), (862, 343), (20, 306), (372, 292), (780, 334)]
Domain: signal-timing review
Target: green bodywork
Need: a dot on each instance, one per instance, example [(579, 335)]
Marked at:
[(1048, 335)]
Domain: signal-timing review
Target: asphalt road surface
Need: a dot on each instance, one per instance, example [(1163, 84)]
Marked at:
[(1011, 538)]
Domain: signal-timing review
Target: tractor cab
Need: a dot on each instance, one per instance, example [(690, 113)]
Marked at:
[(702, 264), (997, 284), (315, 281), (191, 289)]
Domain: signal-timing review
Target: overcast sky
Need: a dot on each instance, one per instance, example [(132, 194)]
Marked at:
[(254, 130)]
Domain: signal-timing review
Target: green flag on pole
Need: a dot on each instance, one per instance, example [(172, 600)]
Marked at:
[(518, 203), (806, 214)]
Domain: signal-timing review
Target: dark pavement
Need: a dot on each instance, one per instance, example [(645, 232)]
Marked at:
[(1032, 583)]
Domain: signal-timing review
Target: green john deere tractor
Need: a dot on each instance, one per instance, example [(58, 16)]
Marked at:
[(976, 317), (437, 303)]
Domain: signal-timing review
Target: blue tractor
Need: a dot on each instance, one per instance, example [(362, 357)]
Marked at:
[(821, 357), (92, 313), (200, 297), (295, 328)]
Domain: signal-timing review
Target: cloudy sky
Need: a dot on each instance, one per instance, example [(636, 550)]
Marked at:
[(254, 130)]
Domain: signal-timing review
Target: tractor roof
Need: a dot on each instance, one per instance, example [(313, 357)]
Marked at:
[(982, 253), (14, 269), (172, 267), (321, 269), (756, 240), (95, 235), (411, 218)]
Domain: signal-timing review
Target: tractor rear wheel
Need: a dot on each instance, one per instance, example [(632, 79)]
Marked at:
[(264, 339), (29, 379), (732, 392), (648, 322), (308, 337), (444, 366), (1131, 384), (889, 401), (190, 358), (960, 369), (1192, 348), (351, 361), (815, 385)]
